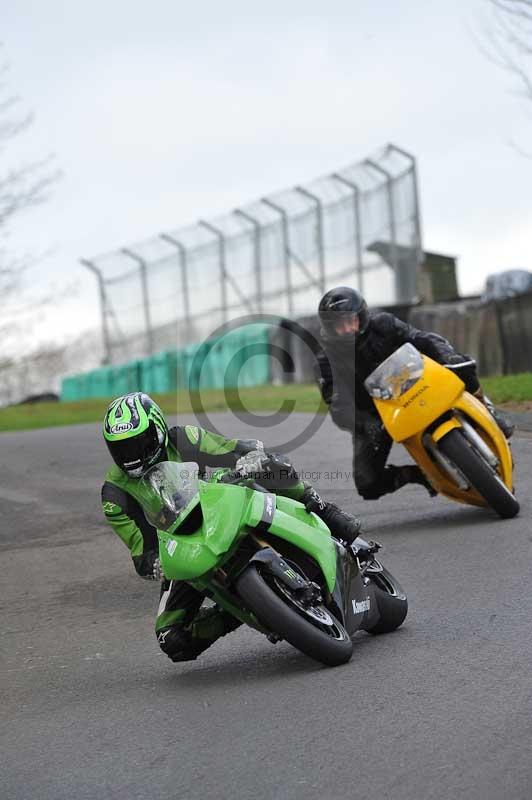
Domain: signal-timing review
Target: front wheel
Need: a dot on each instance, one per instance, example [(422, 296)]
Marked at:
[(481, 476), (325, 642)]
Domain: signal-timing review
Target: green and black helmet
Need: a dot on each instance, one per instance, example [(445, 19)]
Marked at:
[(136, 433)]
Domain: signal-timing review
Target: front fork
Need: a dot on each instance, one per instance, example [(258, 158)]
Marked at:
[(218, 584)]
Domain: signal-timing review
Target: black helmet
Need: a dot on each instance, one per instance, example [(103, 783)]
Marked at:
[(135, 432), (341, 305)]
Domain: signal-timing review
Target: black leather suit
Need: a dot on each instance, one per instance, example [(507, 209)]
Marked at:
[(343, 366)]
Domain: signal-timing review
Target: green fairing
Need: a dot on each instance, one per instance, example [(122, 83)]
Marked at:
[(228, 514), (308, 533), (190, 556)]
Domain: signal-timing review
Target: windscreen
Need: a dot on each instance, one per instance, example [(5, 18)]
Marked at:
[(167, 490), (396, 375)]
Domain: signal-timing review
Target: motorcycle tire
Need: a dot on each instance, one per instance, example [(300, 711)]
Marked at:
[(391, 601), (481, 477), (277, 615)]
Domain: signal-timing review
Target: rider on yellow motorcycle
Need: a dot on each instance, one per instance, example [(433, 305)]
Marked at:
[(355, 342)]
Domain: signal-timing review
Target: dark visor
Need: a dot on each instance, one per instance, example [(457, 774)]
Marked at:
[(140, 448)]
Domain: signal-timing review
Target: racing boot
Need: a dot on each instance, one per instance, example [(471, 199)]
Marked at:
[(502, 421), (186, 644), (342, 525), (410, 473)]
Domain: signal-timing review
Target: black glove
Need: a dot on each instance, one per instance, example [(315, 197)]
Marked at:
[(278, 473), (148, 566), (466, 369), (273, 471), (157, 570)]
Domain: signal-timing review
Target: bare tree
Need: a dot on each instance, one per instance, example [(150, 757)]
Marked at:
[(509, 40), (36, 374), (22, 186), (41, 371)]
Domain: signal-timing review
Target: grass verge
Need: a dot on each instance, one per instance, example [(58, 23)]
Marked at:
[(512, 391), (509, 388), (292, 397)]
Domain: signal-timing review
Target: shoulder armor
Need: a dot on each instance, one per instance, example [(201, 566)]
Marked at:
[(381, 322)]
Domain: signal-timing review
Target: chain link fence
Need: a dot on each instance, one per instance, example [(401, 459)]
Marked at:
[(277, 255)]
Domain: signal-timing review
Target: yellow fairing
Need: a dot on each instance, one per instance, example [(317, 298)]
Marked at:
[(433, 394), (438, 391), (445, 428)]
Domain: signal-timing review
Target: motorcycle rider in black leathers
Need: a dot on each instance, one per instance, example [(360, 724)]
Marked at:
[(137, 436), (355, 342)]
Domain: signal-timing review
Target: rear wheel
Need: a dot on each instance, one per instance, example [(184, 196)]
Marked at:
[(391, 601), (479, 474), (313, 631)]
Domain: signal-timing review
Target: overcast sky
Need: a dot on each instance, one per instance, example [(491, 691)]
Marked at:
[(159, 113)]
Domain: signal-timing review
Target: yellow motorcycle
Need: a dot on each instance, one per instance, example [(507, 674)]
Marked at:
[(447, 431)]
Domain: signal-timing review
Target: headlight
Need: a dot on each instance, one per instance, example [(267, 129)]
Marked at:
[(396, 375)]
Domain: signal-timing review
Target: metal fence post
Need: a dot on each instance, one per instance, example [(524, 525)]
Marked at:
[(226, 277), (103, 309), (256, 254), (358, 227), (286, 250), (393, 231), (184, 272), (417, 212), (221, 260), (145, 298), (319, 232)]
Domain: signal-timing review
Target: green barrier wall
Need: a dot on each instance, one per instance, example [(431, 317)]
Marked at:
[(254, 361), (70, 388), (238, 358), (99, 382), (158, 373), (126, 378)]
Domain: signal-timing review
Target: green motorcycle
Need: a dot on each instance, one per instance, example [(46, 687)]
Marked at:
[(268, 562)]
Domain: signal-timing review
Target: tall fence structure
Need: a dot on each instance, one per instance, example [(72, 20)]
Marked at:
[(360, 225)]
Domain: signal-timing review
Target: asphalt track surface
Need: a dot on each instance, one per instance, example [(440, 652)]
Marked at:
[(92, 709)]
